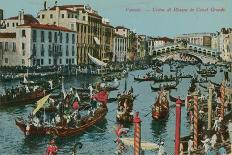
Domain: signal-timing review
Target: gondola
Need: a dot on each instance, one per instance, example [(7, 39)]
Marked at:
[(164, 79), (207, 75), (185, 76), (110, 86), (61, 130), (23, 99), (125, 108), (165, 87), (140, 79), (161, 107), (207, 71)]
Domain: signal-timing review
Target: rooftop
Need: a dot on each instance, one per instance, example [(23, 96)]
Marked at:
[(46, 27), (121, 27), (28, 18)]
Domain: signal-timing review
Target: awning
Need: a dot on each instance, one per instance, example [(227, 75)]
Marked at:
[(97, 41)]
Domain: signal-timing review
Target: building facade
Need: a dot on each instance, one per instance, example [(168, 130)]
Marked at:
[(120, 48), (141, 47), (46, 45), (8, 52), (94, 34), (225, 44), (201, 39), (158, 42)]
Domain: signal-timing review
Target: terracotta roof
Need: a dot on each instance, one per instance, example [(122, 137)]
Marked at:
[(47, 27), (27, 18), (7, 35)]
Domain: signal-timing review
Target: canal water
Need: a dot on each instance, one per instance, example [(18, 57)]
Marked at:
[(99, 140)]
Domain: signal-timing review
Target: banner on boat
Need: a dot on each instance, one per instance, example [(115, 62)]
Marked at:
[(40, 103)]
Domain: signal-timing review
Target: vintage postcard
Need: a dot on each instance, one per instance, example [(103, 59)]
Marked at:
[(115, 77)]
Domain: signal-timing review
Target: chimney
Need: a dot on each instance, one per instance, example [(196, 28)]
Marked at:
[(1, 14), (45, 5), (19, 16), (22, 15)]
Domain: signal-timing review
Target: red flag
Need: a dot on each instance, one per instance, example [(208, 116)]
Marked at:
[(101, 96)]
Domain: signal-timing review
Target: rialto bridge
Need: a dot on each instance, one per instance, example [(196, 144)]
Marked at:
[(206, 55)]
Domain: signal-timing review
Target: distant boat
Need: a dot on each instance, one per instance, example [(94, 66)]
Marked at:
[(165, 87), (161, 107), (125, 108)]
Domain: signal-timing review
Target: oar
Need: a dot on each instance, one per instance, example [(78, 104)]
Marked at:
[(147, 114)]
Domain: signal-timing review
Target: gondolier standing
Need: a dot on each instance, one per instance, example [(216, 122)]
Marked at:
[(52, 148), (230, 133)]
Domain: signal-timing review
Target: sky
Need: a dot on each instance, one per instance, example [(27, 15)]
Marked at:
[(149, 17)]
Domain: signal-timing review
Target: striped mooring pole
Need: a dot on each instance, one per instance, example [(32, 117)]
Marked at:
[(195, 122), (178, 125), (222, 91), (137, 134), (210, 107)]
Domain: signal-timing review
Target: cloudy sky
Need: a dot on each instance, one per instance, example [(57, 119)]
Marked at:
[(150, 17)]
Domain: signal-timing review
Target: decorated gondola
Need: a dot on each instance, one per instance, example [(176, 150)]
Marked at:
[(161, 106), (68, 122), (125, 108), (62, 130), (165, 87)]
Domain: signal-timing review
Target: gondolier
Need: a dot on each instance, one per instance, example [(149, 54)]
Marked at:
[(52, 148)]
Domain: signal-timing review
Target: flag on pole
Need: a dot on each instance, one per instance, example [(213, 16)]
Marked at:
[(101, 96), (40, 104), (63, 90)]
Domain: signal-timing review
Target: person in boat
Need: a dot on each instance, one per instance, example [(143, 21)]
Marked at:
[(190, 146), (90, 90), (216, 125), (213, 140), (52, 148), (36, 121), (118, 95), (206, 143), (131, 89), (161, 149), (13, 95)]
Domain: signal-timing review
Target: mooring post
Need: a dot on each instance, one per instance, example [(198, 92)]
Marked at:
[(222, 97), (210, 107), (137, 134), (178, 125), (195, 121)]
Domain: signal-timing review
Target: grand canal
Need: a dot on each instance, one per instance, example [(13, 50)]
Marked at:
[(100, 139)]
